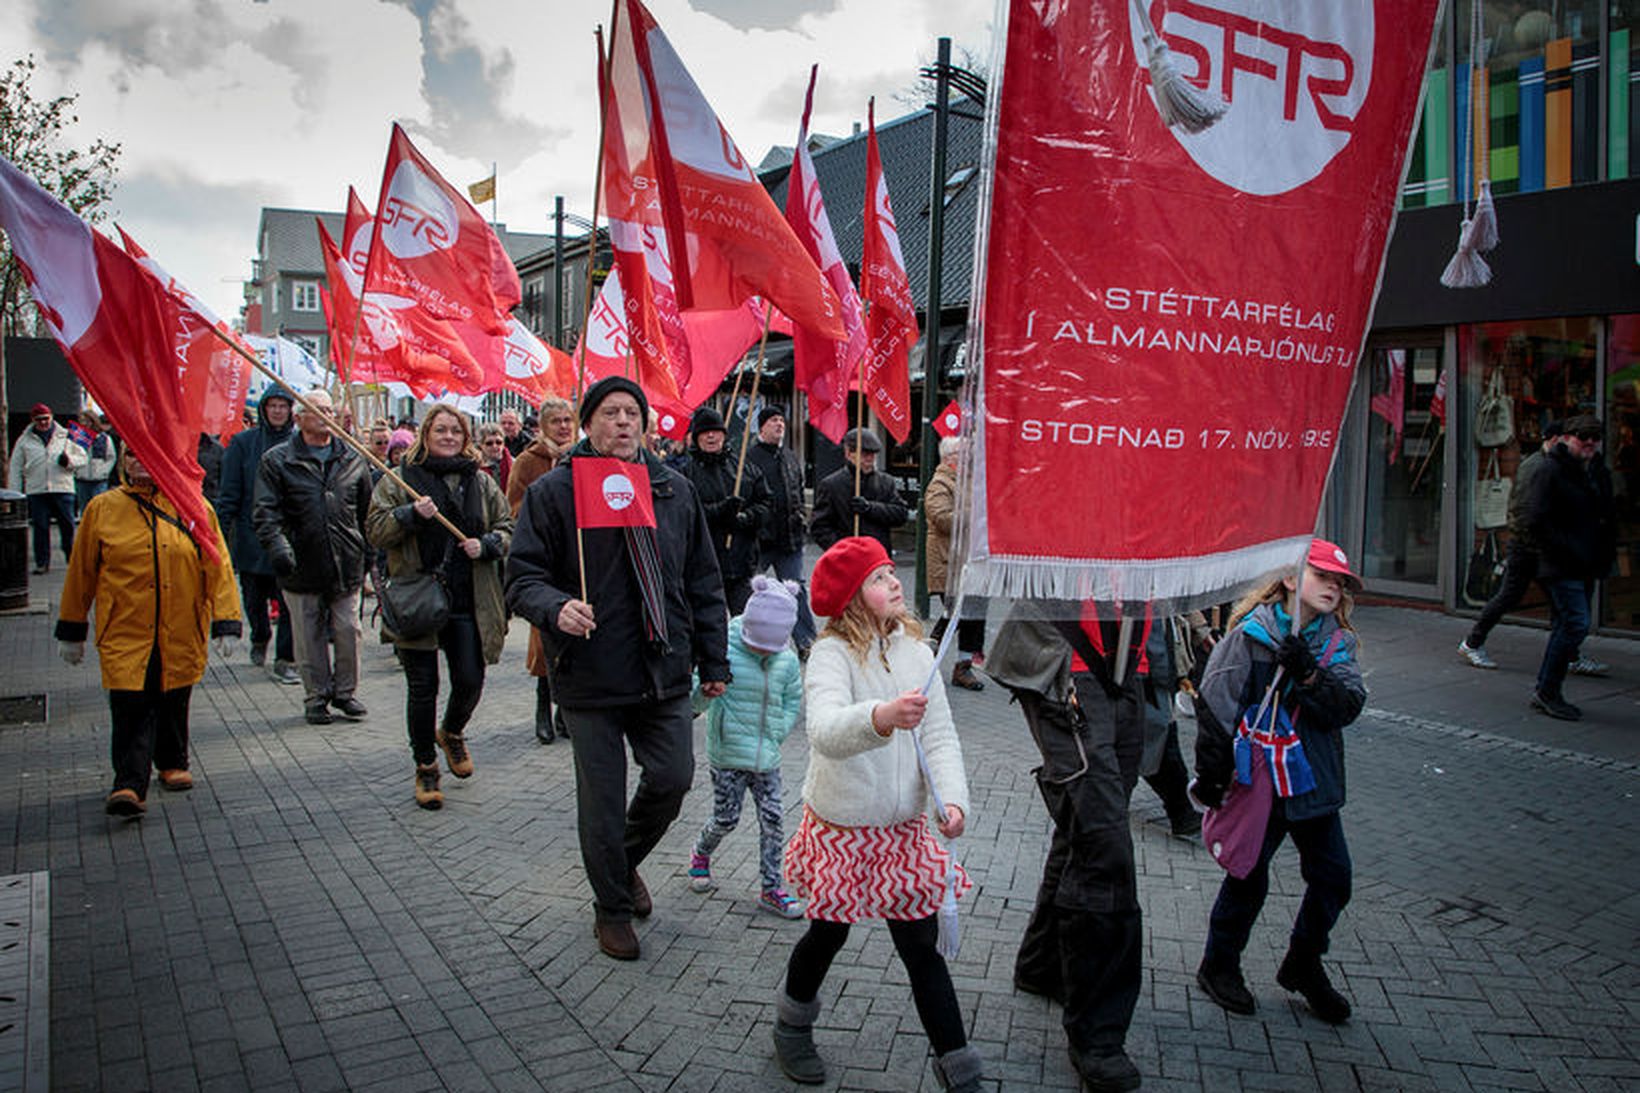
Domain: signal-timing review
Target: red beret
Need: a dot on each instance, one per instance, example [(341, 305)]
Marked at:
[(841, 571), (39, 408)]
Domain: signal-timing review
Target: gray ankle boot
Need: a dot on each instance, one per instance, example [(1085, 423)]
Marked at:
[(959, 1071), (794, 1040)]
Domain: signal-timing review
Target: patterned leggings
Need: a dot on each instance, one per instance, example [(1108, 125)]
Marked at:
[(728, 794)]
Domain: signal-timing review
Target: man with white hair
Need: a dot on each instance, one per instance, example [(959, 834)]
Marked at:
[(312, 495)]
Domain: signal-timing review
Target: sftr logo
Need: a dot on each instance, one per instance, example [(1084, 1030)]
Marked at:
[(1295, 73), (417, 218), (619, 492)]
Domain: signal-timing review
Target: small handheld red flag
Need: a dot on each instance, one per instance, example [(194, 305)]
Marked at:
[(949, 420), (612, 493)]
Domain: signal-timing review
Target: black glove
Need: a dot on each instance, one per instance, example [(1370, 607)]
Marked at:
[(859, 506), (62, 460), (1294, 655), (283, 565), (744, 520), (1210, 794), (733, 504)]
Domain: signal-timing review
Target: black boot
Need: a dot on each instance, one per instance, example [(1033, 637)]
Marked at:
[(543, 710), (1301, 971), (1225, 986), (794, 1040), (959, 1071)]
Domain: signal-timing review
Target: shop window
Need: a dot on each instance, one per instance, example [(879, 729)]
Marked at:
[(1516, 377), (1404, 473), (1620, 605)]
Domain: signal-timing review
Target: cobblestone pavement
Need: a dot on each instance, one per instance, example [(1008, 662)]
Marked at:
[(296, 923)]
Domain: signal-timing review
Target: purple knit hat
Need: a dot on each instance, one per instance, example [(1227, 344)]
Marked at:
[(770, 614)]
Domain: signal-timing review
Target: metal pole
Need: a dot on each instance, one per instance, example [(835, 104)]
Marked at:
[(928, 454), (558, 271)]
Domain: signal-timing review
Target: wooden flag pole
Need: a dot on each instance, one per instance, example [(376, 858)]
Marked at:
[(746, 433), (859, 437), (604, 64), (334, 426)]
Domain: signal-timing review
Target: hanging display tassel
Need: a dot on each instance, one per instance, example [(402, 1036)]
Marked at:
[(950, 936), (1467, 269), (1479, 231), (1484, 224), (1181, 103)]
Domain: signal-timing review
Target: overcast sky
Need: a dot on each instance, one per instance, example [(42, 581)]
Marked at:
[(224, 106)]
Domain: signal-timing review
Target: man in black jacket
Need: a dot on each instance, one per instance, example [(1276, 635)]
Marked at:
[(257, 587), (625, 615), (735, 516), (781, 542), (877, 505), (312, 495), (1568, 510)]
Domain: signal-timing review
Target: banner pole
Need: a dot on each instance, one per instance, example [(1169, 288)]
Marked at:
[(334, 425), (746, 432), (859, 435), (604, 64)]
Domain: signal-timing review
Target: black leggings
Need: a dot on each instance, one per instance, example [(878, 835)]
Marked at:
[(930, 979)]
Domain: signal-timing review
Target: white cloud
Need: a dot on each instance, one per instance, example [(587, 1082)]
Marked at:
[(224, 106)]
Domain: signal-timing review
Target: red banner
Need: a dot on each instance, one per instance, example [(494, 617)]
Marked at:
[(1172, 320), (612, 493), (891, 321)]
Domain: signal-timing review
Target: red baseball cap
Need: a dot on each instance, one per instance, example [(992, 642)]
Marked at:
[(840, 572), (1330, 558)]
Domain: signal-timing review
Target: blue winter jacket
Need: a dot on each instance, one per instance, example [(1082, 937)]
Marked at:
[(746, 725)]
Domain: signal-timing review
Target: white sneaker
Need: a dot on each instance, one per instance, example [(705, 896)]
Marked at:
[(1477, 658), (1586, 666)]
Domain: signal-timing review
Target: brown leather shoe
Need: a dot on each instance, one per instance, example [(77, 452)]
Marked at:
[(963, 676), (124, 802), (616, 939), (176, 779), (642, 905)]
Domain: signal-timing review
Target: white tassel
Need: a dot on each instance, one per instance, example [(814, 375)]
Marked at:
[(1484, 224), (950, 939), (1181, 103), (1467, 268)]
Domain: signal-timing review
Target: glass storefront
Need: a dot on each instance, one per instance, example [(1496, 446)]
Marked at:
[(1405, 468), (1620, 607)]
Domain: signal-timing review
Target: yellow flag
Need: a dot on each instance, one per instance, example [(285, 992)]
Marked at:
[(482, 191)]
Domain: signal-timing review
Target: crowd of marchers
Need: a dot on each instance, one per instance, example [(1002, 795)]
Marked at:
[(441, 531)]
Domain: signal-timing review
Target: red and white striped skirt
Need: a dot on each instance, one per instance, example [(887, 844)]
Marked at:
[(853, 873)]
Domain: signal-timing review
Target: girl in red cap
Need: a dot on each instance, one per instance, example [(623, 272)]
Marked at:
[(863, 848), (1320, 693)]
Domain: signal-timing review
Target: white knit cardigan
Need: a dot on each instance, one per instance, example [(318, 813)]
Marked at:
[(856, 777)]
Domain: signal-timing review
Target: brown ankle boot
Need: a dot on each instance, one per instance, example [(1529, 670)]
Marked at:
[(427, 791)]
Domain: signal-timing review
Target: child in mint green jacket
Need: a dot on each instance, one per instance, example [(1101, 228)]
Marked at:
[(745, 727)]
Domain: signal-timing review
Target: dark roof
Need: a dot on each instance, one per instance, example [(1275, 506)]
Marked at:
[(906, 146), (293, 243)]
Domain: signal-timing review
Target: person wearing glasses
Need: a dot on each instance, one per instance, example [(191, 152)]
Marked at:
[(494, 456), (43, 462)]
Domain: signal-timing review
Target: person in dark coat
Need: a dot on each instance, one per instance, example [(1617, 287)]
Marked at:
[(210, 456), (235, 498), (1568, 511), (626, 615), (780, 543), (877, 505), (736, 517), (312, 498)]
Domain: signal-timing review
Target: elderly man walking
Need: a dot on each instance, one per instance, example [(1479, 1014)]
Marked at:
[(240, 466), (312, 496), (43, 462), (625, 615)]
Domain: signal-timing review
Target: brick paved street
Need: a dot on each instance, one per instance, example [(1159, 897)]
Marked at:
[(295, 923)]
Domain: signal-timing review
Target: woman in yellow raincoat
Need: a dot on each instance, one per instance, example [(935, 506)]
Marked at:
[(159, 598)]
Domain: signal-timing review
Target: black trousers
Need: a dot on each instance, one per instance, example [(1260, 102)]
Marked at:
[(916, 943), (1520, 564), (1323, 861), (45, 509), (1083, 940), (617, 834), (464, 655), (150, 729), (256, 591)]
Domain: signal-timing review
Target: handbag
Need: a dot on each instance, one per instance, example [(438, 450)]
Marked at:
[(1495, 416), (1234, 832), (1492, 499), (413, 605), (1484, 571)]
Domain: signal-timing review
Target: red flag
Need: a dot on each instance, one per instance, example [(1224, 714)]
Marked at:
[(435, 247), (213, 375), (680, 194), (1211, 354), (1390, 404), (949, 420), (891, 316), (717, 339), (612, 493), (1437, 401), (825, 365), (116, 324), (521, 363)]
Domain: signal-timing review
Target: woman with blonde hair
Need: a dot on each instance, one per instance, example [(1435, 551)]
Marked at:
[(556, 436), (442, 466)]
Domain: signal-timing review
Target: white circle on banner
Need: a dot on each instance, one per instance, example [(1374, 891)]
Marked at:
[(668, 423), (619, 492), (418, 216), (952, 422), (1298, 75)]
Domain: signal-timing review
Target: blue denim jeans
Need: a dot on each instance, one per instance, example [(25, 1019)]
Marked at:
[(45, 509), (1568, 626)]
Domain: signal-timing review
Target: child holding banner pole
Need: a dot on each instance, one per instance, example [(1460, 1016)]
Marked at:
[(1302, 666)]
